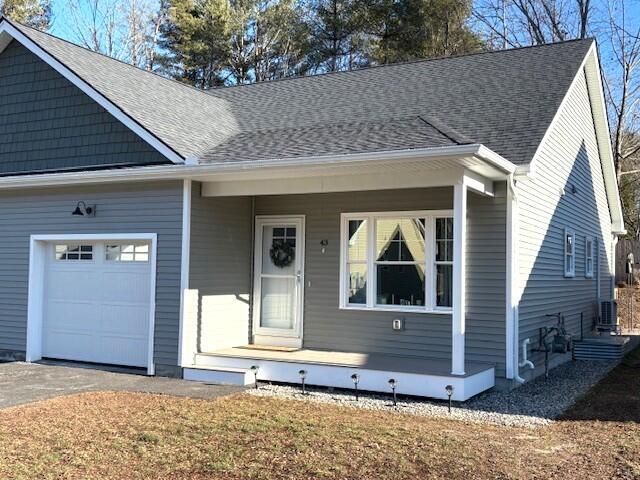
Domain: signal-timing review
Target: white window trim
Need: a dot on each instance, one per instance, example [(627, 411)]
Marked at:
[(587, 273), (569, 272), (430, 268)]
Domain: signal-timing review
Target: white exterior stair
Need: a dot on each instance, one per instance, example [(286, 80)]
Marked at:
[(221, 375)]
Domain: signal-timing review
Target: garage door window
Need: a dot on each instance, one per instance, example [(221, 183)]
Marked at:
[(127, 253), (74, 252)]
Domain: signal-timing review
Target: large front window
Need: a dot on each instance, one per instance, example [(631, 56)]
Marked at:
[(397, 261)]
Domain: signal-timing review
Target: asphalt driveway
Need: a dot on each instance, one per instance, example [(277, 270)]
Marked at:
[(22, 383)]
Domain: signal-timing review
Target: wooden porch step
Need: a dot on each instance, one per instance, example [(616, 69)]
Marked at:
[(220, 375)]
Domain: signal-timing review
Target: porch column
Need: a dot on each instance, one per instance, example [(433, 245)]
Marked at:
[(459, 291)]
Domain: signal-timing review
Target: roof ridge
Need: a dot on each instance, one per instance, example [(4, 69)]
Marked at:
[(407, 62), (100, 54)]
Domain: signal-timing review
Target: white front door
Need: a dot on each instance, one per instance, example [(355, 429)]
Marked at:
[(279, 277)]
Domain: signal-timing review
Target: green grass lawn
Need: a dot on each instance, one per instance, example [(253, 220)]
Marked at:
[(124, 435)]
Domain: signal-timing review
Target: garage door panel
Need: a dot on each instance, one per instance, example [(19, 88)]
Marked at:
[(71, 285), (126, 286), (97, 310), (127, 350), (69, 344), (68, 315), (127, 320)]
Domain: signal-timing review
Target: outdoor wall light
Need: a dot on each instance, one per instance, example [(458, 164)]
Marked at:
[(449, 389), (393, 384), (83, 210), (355, 378), (323, 244), (303, 376), (254, 369)]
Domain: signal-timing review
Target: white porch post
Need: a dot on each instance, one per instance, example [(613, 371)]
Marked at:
[(459, 290), (187, 343)]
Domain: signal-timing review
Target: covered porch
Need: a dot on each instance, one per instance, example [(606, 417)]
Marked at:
[(336, 272)]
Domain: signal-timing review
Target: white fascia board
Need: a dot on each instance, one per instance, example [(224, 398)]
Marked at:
[(197, 172), (6, 28), (603, 134)]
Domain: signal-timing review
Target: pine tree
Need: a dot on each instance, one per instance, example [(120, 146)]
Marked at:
[(35, 13)]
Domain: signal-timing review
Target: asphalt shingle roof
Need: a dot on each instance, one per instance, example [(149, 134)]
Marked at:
[(504, 100)]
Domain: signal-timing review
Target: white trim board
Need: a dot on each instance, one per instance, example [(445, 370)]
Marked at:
[(37, 257), (269, 169), (419, 384), (6, 28), (187, 336)]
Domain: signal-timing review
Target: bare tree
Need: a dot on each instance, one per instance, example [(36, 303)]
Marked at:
[(95, 25), (515, 23), (622, 87), (124, 29)]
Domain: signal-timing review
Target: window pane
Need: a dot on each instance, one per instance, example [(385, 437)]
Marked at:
[(357, 286), (357, 241), (113, 252), (569, 244), (142, 257), (400, 284), (399, 239), (444, 285)]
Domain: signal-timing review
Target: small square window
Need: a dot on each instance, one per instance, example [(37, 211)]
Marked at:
[(73, 252), (127, 253)]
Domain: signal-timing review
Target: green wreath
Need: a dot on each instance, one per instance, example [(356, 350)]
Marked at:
[(282, 254)]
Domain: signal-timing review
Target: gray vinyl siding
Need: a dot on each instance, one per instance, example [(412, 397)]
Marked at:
[(131, 208), (47, 123), (220, 267), (486, 278), (569, 159), (426, 335)]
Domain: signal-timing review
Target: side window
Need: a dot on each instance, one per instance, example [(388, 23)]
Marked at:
[(589, 255), (569, 253)]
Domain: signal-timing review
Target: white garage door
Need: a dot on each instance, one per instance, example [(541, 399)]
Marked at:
[(97, 302)]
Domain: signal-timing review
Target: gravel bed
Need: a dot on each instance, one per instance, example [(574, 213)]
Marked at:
[(534, 404)]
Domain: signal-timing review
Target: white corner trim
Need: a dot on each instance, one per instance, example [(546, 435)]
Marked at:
[(7, 28), (35, 302), (458, 328), (187, 347)]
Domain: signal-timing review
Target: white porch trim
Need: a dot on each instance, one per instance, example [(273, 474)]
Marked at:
[(455, 158), (188, 329), (37, 257), (428, 383), (459, 272)]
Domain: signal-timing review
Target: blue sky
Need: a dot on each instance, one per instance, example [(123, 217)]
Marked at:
[(62, 25)]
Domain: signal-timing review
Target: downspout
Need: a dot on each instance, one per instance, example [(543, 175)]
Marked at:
[(513, 286)]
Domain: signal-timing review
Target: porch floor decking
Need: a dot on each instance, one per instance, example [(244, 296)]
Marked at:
[(368, 361)]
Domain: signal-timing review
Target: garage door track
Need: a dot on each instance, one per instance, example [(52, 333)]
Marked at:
[(22, 383)]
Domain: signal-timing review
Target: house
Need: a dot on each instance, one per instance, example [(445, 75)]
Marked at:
[(416, 221)]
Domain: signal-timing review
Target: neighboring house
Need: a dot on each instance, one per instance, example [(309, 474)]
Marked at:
[(414, 221)]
